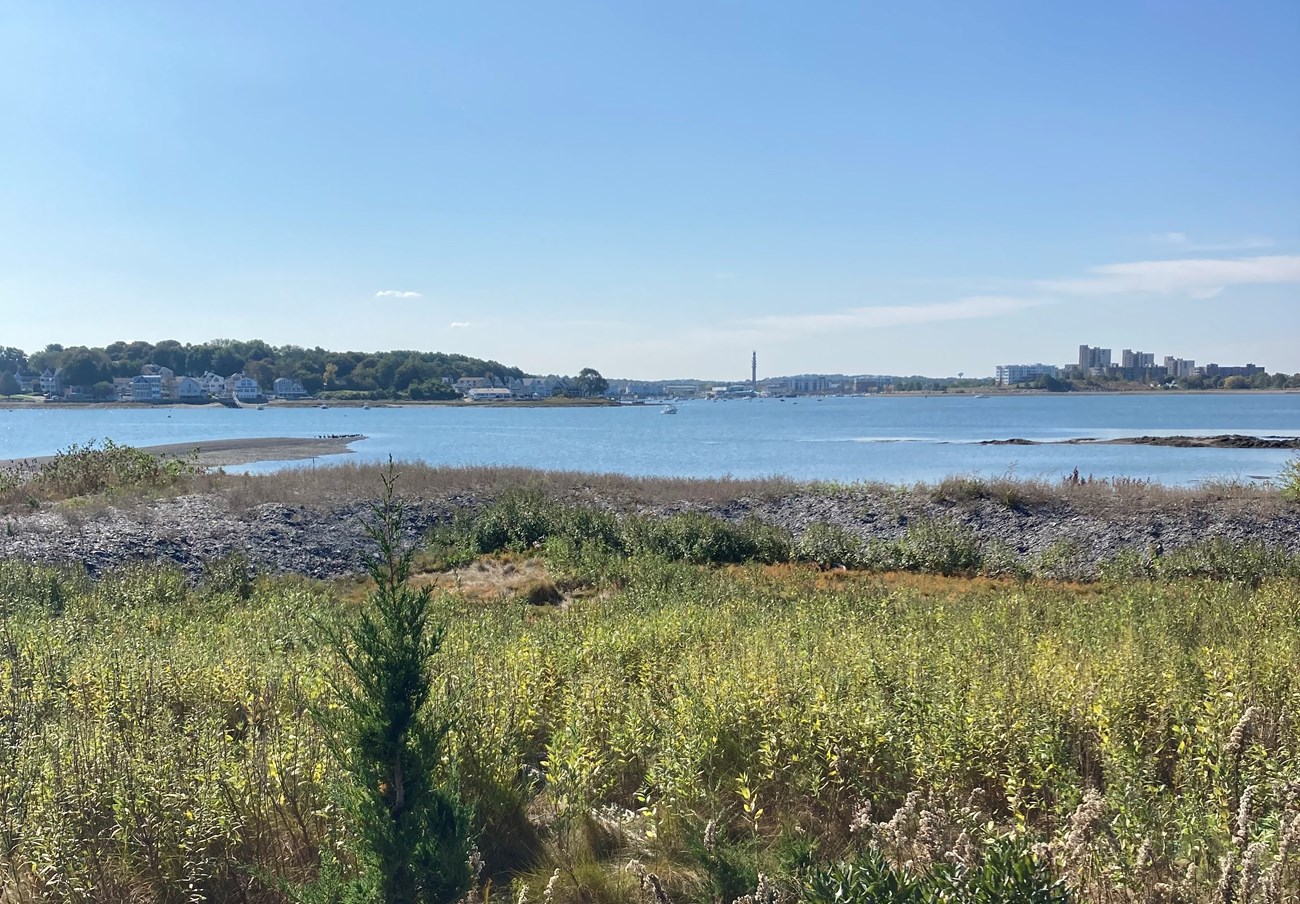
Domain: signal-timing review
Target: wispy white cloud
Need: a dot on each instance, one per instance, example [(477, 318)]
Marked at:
[(397, 293), (1183, 242), (1193, 277), (458, 324), (880, 316), (776, 328), (1184, 277)]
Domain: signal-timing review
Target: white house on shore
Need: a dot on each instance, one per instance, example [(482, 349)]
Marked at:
[(157, 370), (287, 388), (52, 381), (243, 388), (212, 384), (465, 384), (536, 387), (146, 388), (188, 389), (487, 393)]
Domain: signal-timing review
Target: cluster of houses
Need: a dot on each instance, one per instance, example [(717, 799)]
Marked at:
[(481, 389), (160, 384)]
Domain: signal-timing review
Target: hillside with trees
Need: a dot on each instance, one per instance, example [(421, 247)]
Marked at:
[(392, 374)]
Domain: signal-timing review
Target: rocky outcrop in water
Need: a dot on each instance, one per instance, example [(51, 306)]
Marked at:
[(1220, 441)]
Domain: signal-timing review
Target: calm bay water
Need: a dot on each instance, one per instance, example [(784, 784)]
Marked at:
[(899, 439)]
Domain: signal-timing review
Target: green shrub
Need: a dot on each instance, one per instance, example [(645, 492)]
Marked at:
[(828, 546), (1289, 480), (90, 469), (1007, 871), (868, 880), (524, 519), (518, 519), (1245, 564), (705, 539), (1062, 561), (589, 528), (390, 735), (730, 866), (940, 547), (1222, 560), (231, 574), (1000, 559)]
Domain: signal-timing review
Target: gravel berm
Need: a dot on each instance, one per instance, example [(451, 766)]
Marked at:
[(330, 540)]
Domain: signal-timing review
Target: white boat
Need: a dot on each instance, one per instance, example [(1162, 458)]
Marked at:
[(670, 409)]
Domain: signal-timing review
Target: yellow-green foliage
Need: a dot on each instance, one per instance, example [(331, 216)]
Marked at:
[(155, 744), (1290, 480), (85, 470)]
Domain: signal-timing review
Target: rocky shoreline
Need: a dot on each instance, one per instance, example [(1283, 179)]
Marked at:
[(329, 540), (1221, 441)]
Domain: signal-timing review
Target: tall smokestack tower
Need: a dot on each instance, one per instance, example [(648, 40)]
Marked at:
[(753, 371)]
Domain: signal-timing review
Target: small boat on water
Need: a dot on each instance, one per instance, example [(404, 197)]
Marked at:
[(261, 407), (981, 396), (670, 409)]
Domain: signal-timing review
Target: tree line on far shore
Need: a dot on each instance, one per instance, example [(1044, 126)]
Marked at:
[(408, 374), (1260, 380)]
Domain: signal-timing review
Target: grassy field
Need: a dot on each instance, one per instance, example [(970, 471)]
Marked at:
[(671, 731), (663, 708)]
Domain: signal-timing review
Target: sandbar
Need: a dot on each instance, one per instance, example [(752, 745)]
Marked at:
[(222, 453)]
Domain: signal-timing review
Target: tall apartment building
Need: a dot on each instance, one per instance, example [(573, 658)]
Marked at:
[(1137, 360), (1092, 358), (1179, 368), (1011, 374), (1248, 370)]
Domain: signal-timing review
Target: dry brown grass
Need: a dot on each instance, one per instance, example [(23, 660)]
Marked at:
[(489, 578), (351, 481), (1104, 496), (507, 577), (348, 483)]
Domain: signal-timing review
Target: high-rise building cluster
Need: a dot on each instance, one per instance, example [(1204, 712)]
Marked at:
[(1134, 365)]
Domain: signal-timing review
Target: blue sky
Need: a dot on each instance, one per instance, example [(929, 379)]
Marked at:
[(657, 188)]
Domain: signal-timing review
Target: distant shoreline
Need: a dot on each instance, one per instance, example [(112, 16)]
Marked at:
[(990, 392), (16, 405)]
